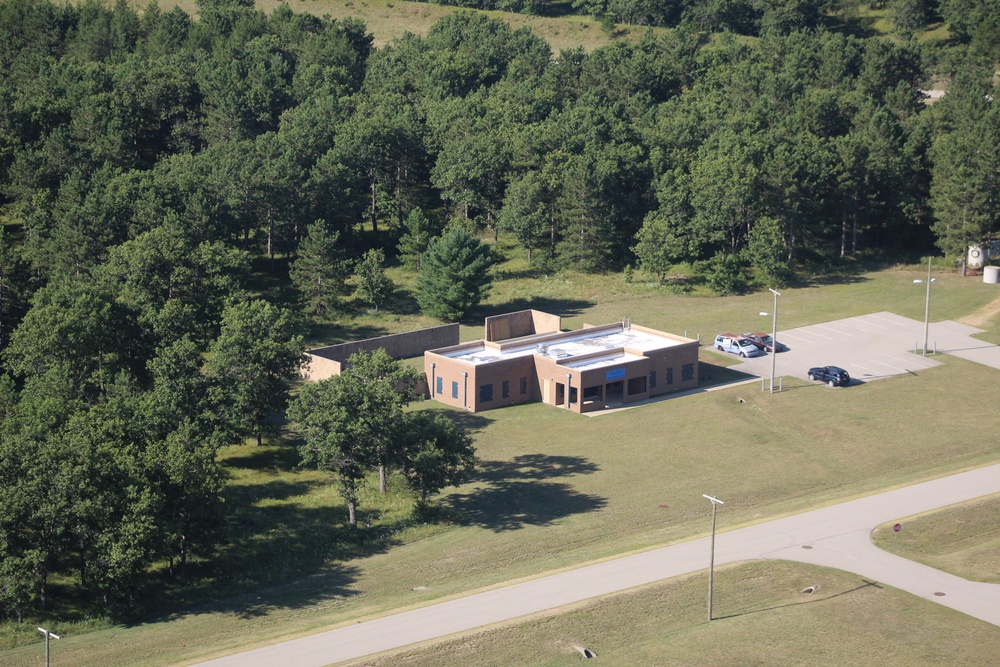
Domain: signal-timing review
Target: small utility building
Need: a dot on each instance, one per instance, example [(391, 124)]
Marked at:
[(582, 371)]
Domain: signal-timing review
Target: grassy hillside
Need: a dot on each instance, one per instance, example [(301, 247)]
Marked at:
[(389, 19)]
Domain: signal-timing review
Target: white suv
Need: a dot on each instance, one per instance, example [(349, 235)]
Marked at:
[(737, 345)]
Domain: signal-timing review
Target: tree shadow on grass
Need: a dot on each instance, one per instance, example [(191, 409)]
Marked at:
[(826, 279), (330, 333), (281, 549), (469, 422), (276, 556), (521, 493), (561, 307), (535, 467), (268, 459)]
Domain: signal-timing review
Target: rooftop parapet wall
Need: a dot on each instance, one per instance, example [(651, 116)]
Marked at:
[(527, 341), (520, 324), (664, 334)]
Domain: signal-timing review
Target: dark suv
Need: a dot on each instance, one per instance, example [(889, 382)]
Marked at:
[(832, 375)]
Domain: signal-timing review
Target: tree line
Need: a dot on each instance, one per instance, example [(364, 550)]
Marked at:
[(147, 157)]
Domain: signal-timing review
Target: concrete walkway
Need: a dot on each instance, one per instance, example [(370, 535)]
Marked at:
[(838, 536)]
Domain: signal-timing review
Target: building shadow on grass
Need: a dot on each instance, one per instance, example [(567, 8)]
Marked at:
[(522, 492), (716, 375)]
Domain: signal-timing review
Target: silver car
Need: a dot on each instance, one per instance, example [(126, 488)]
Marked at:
[(737, 345)]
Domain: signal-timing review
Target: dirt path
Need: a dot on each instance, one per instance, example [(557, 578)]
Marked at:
[(982, 317)]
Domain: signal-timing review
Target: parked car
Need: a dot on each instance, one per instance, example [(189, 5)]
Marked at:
[(763, 342), (736, 344), (832, 375)]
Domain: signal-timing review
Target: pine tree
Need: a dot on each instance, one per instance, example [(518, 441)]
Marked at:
[(413, 244), (374, 286), (319, 271), (454, 276)]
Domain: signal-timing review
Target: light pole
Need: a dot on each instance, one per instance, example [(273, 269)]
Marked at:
[(774, 333), (927, 303), (47, 635), (711, 558)]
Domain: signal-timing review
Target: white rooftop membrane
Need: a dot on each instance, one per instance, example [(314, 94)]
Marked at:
[(574, 344)]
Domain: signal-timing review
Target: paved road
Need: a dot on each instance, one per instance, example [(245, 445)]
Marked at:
[(837, 535)]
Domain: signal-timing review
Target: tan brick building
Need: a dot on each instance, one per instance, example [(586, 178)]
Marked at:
[(582, 371)]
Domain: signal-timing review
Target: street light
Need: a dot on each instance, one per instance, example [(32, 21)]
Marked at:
[(927, 303), (47, 635), (711, 558), (774, 333)]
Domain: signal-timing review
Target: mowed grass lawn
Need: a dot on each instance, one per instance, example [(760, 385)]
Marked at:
[(962, 539), (557, 489), (761, 618)]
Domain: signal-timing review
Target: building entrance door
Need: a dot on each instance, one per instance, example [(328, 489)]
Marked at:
[(613, 393)]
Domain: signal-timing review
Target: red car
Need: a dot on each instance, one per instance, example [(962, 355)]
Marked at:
[(763, 341)]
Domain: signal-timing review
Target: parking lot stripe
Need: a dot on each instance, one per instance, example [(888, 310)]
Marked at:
[(893, 321), (897, 368), (820, 326), (810, 331), (915, 362), (854, 323)]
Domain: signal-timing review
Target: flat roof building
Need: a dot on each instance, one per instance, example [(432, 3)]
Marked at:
[(582, 371)]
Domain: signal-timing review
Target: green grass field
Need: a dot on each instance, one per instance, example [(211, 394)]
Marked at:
[(761, 618), (962, 539), (390, 19), (558, 489)]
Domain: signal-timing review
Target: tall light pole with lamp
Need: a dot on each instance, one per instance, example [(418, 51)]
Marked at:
[(927, 304), (47, 635), (711, 558), (774, 333)]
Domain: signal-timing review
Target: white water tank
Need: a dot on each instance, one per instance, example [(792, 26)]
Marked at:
[(991, 274), (976, 256)]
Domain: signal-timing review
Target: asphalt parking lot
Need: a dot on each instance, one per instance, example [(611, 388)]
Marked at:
[(871, 347)]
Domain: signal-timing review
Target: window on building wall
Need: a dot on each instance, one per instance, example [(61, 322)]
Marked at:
[(637, 385), (440, 386), (486, 393), (454, 390), (652, 379), (524, 386), (505, 389), (687, 372), (668, 377)]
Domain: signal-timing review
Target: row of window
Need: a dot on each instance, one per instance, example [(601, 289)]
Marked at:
[(486, 390), (635, 385), (687, 373)]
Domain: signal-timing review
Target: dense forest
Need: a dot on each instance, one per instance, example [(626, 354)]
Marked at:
[(148, 157)]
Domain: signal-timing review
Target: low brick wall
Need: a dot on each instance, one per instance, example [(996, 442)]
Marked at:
[(327, 361)]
